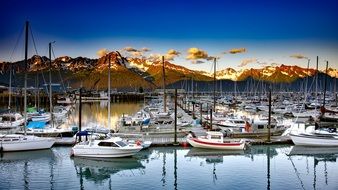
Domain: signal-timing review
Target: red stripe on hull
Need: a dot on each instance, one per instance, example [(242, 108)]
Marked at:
[(217, 144)]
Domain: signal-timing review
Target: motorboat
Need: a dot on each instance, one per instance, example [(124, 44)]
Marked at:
[(11, 120), (112, 147), (215, 140), (315, 139), (236, 124), (24, 142)]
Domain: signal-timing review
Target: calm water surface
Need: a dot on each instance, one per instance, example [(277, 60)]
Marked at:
[(97, 113), (260, 167)]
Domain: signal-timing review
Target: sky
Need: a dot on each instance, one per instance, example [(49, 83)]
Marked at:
[(269, 32)]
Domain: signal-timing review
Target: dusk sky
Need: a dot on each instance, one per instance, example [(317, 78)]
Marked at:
[(270, 31)]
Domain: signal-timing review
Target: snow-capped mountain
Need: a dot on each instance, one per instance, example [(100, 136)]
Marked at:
[(136, 72)]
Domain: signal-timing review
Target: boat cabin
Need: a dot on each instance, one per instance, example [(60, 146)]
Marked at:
[(214, 136)]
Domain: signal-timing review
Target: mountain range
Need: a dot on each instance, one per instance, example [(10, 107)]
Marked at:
[(127, 72)]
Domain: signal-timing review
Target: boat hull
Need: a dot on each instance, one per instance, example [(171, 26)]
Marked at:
[(311, 140), (219, 146), (111, 152), (27, 143)]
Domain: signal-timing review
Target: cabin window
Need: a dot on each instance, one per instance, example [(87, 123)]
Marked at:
[(15, 139), (272, 126), (260, 126), (109, 144), (121, 144)]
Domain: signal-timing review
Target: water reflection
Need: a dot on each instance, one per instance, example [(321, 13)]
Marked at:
[(318, 155), (98, 170), (259, 167), (21, 165), (97, 112)]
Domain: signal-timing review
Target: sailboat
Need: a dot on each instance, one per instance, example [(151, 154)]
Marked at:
[(13, 142), (39, 127), (10, 120), (112, 147)]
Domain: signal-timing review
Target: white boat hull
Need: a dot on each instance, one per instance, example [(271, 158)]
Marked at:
[(312, 140), (219, 146), (104, 152), (23, 143)]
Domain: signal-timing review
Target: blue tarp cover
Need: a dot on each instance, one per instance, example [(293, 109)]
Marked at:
[(36, 125)]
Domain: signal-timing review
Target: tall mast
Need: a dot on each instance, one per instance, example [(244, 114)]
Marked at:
[(307, 79), (50, 84), (164, 90), (109, 91), (316, 95), (327, 65), (10, 87), (215, 84), (25, 83)]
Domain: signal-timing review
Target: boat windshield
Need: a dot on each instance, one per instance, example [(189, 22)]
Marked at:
[(121, 143)]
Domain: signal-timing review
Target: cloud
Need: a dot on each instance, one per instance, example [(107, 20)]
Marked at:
[(298, 56), (237, 50), (197, 61), (144, 49), (171, 54), (130, 49), (245, 62), (196, 53), (102, 52)]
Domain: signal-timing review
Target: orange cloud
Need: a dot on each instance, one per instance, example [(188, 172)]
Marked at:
[(102, 52), (171, 54), (237, 50), (196, 53)]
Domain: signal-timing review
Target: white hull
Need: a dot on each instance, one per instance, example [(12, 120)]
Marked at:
[(104, 152), (313, 140), (14, 124), (23, 143), (198, 143)]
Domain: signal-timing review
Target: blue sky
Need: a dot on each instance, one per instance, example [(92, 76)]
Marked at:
[(270, 31)]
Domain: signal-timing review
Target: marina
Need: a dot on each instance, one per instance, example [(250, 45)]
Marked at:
[(168, 95)]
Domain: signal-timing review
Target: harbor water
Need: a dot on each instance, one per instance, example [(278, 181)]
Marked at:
[(259, 167)]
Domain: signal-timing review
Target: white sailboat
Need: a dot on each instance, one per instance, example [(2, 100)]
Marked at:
[(24, 142)]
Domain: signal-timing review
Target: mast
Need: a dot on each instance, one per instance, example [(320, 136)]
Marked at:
[(109, 91), (215, 84), (10, 88), (316, 84), (25, 83), (327, 65), (50, 84), (335, 88), (164, 90), (307, 79)]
